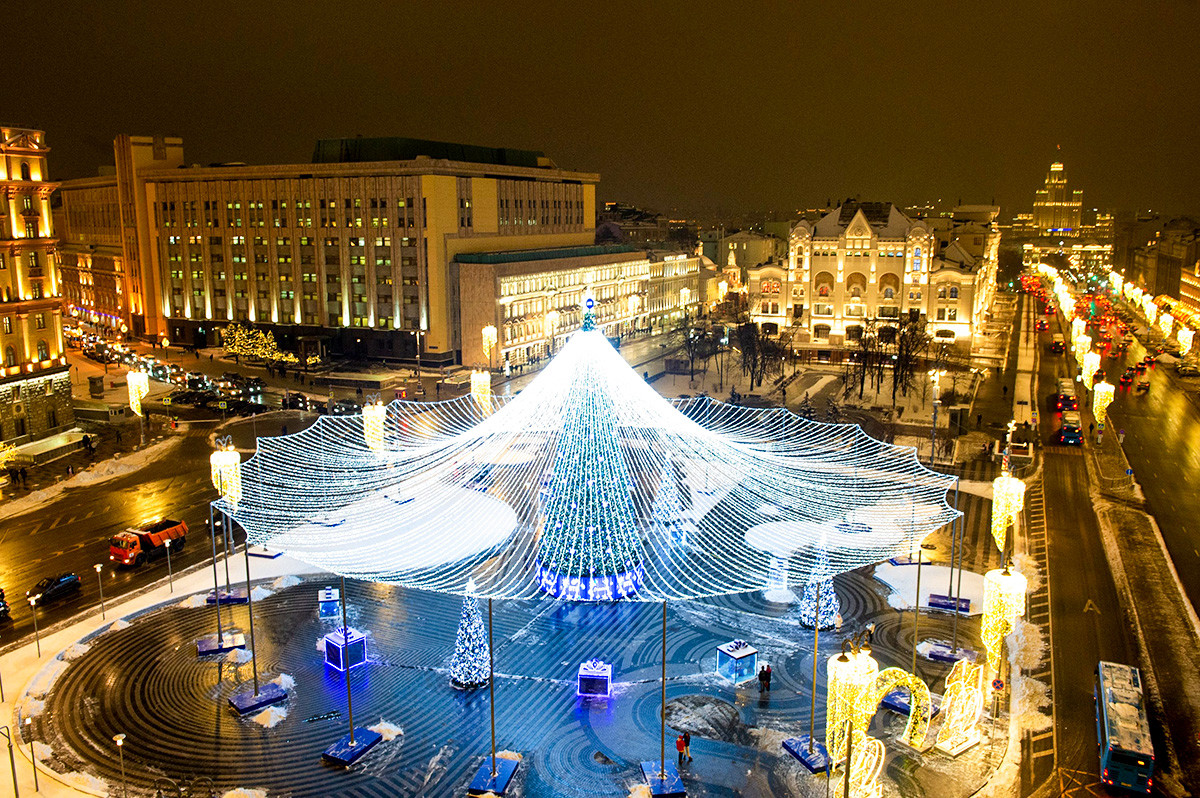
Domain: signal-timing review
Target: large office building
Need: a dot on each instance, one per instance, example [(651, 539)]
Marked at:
[(1057, 209), (35, 383), (356, 250), (1058, 227), (867, 264), (529, 301)]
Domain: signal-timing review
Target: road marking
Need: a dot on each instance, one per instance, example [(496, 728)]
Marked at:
[(1091, 607)]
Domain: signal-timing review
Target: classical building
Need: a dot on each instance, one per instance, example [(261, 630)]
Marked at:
[(1057, 209), (356, 249), (35, 383), (1057, 227), (530, 300), (868, 264)]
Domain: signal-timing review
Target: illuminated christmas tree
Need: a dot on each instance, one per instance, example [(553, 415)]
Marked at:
[(469, 665), (819, 601), (667, 512), (590, 547)]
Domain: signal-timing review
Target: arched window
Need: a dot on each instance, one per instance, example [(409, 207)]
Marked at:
[(889, 284), (854, 333), (954, 292), (25, 170), (821, 332), (856, 285), (824, 283), (941, 292), (43, 350), (10, 357)]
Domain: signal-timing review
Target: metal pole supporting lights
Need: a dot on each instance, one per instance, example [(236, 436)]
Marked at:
[(119, 739), (12, 760), (100, 583), (36, 638), (170, 574), (32, 752), (935, 376)]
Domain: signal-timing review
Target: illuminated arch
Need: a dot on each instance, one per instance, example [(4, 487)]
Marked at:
[(920, 706), (962, 705)]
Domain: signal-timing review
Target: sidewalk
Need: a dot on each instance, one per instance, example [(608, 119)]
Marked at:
[(23, 670)]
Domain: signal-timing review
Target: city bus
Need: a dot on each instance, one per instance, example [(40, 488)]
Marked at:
[(1126, 753)]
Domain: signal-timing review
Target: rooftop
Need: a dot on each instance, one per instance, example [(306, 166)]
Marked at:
[(394, 148), (524, 255)]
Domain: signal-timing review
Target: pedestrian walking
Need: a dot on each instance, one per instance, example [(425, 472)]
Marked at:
[(679, 747), (24, 477), (1091, 430), (767, 677), (687, 745), (118, 435), (979, 421), (210, 357), (762, 679), (1005, 389), (1121, 436)]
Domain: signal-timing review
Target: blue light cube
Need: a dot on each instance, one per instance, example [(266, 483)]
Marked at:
[(345, 648), (595, 679), (737, 661), (329, 603)]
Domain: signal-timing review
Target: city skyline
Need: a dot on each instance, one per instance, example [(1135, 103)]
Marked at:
[(898, 107)]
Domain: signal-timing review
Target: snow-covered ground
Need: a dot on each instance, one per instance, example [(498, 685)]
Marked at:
[(902, 579)]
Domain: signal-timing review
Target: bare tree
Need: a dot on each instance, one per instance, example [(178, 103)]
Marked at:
[(912, 341), (753, 345)]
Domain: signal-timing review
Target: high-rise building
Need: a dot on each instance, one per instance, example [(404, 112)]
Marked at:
[(355, 250), (1057, 209), (35, 384)]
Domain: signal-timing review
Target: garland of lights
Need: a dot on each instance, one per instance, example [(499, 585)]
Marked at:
[(1003, 602), (1185, 341), (1083, 345), (819, 603), (962, 704), (138, 383), (1008, 499), (226, 466), (589, 474), (1091, 364), (257, 344), (1166, 323)]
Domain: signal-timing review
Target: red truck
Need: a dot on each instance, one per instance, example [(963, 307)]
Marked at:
[(136, 545)]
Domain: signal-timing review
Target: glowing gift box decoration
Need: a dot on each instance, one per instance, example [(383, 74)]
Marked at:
[(481, 389), (345, 648), (594, 680), (1003, 602), (373, 415), (329, 603), (737, 661)]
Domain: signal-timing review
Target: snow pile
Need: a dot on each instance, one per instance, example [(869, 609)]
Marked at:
[(259, 593), (118, 625), (1028, 567), (1026, 645), (31, 708), (286, 581), (640, 791), (285, 681), (270, 717), (244, 792), (902, 579), (513, 755), (86, 782), (42, 751), (110, 469), (238, 656), (389, 731), (1029, 698), (41, 684), (74, 651), (194, 601)]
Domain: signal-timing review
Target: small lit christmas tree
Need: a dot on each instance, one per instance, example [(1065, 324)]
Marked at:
[(469, 665), (819, 602)]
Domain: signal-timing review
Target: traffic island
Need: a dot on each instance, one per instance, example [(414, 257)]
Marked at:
[(219, 644)]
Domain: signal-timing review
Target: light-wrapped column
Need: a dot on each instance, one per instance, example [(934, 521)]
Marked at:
[(1003, 603), (139, 387), (226, 464), (373, 416)]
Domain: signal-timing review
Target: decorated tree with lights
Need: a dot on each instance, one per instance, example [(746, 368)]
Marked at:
[(469, 665), (667, 513), (590, 534), (819, 602)]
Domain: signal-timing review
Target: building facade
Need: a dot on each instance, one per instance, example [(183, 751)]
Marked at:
[(355, 248), (1057, 227), (533, 300), (35, 382), (1057, 209), (867, 264)]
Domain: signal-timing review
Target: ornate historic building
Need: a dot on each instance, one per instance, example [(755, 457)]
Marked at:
[(35, 384)]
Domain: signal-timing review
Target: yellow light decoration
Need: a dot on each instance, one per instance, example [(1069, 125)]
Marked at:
[(1102, 396), (856, 688), (488, 334), (1078, 328), (1150, 308), (1008, 499), (373, 416), (1091, 364), (1185, 341), (226, 465), (962, 707), (481, 389), (1166, 322), (1003, 602), (1083, 344), (866, 766), (1114, 280), (139, 386)]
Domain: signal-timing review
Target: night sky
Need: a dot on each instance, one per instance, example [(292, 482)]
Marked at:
[(751, 106)]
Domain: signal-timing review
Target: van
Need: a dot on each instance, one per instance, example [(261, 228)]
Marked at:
[(1064, 395)]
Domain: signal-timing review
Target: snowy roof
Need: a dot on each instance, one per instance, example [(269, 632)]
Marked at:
[(588, 474), (882, 219), (955, 254)]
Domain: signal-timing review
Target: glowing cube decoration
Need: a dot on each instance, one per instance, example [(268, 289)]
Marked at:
[(481, 389), (226, 465), (594, 680), (345, 648), (373, 416), (737, 661), (329, 604)]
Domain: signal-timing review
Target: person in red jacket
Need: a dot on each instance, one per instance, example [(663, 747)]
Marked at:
[(679, 747)]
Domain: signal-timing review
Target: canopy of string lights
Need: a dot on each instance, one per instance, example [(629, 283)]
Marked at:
[(586, 485)]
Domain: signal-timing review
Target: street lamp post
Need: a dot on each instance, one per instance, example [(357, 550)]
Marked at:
[(12, 760), (119, 739), (100, 583), (166, 350), (32, 753), (36, 638), (935, 376), (170, 575), (420, 385)]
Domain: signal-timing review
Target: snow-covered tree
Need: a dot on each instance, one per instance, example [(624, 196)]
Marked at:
[(806, 409), (833, 411), (819, 603)]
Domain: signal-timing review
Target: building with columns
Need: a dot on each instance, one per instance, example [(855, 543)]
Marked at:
[(35, 382), (356, 249), (868, 264)]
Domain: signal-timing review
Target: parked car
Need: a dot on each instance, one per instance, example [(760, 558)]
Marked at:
[(53, 588), (1187, 370)]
